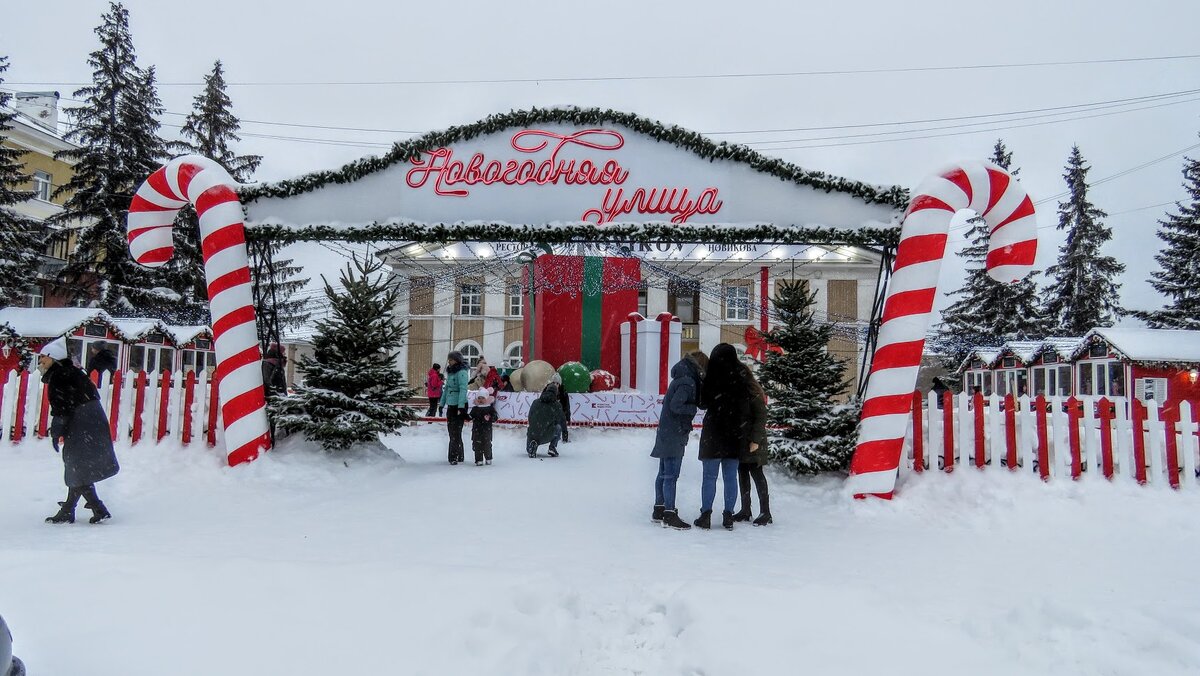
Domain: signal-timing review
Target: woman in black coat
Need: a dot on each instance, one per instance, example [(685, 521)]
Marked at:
[(754, 459), (728, 429), (78, 420)]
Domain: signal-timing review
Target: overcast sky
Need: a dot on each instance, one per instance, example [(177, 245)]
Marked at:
[(268, 44)]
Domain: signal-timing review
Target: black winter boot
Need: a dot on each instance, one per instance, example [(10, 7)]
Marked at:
[(657, 514), (727, 520), (764, 515), (744, 514), (99, 512), (705, 520), (66, 514), (671, 520), (763, 519)]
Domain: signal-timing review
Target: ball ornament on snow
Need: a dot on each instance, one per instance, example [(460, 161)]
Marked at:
[(514, 379), (575, 377), (536, 375), (603, 381)]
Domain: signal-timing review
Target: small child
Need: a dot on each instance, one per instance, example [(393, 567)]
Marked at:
[(545, 422), (483, 414)]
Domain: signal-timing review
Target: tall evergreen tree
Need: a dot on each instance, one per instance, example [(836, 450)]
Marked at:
[(353, 388), (987, 312), (1083, 291), (21, 242), (812, 433), (276, 282), (1179, 261), (210, 130), (116, 130)]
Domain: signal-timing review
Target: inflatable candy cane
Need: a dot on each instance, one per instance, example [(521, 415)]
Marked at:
[(1012, 245), (207, 185)]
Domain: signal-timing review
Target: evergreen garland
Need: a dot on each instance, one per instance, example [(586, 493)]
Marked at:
[(810, 432), (1083, 292), (407, 151), (353, 390), (1179, 261), (21, 241)]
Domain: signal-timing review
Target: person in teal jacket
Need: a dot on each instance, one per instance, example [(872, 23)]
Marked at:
[(454, 396)]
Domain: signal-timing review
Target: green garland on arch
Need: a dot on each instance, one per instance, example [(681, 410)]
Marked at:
[(684, 138), (614, 233)]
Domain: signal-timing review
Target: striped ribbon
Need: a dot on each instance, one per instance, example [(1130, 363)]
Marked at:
[(1008, 212), (206, 185)]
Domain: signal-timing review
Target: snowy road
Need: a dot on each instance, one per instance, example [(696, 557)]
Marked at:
[(300, 565)]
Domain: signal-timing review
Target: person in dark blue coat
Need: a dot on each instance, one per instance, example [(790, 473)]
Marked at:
[(674, 428)]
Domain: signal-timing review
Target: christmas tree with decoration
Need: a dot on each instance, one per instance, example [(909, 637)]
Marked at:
[(353, 390), (810, 431), (1178, 276)]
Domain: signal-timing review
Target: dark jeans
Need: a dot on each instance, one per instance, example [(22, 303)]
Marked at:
[(481, 440), (728, 467), (433, 404), (454, 424), (664, 483), (531, 445), (753, 469)]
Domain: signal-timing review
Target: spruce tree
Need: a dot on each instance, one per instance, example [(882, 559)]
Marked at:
[(275, 285), (987, 312), (21, 242), (811, 432), (1179, 261), (1083, 291), (353, 389), (210, 130), (116, 130)]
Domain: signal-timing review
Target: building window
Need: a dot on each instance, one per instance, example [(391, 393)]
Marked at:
[(512, 356), (41, 186), (1050, 358), (37, 296), (1098, 350), (96, 331), (1101, 379), (643, 298), (470, 352), (737, 302), (470, 299), (150, 358), (515, 301)]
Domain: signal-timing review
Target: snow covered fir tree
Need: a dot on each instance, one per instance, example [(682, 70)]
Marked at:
[(20, 237), (116, 129), (1178, 276), (811, 431), (353, 387), (987, 312), (1083, 291)]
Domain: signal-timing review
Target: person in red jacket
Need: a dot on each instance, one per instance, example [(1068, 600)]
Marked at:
[(433, 389)]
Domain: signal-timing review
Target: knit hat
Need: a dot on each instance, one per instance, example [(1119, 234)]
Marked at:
[(55, 349), (483, 397)]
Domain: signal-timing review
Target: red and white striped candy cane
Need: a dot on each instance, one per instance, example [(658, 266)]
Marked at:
[(1003, 204), (205, 184)]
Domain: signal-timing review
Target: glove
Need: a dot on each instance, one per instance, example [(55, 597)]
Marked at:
[(58, 426), (54, 441)]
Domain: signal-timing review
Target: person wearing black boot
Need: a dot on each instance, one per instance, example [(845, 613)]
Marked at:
[(674, 428), (753, 460), (545, 422), (483, 414), (727, 429), (79, 430), (454, 398), (564, 400)]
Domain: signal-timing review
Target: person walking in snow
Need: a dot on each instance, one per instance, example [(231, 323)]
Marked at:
[(483, 414), (454, 396), (545, 422), (726, 432), (754, 457), (101, 360), (79, 430), (433, 388), (564, 400), (674, 428)]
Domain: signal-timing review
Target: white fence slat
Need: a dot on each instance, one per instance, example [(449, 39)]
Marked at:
[(8, 409), (1187, 445), (995, 430), (934, 447), (1156, 444), (965, 437), (1027, 433), (1060, 443), (1090, 436), (1123, 444)]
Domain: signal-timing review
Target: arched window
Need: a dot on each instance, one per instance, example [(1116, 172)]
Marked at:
[(471, 352), (512, 355)]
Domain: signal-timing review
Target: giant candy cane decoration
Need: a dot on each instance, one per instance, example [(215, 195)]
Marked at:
[(209, 187), (1012, 245)]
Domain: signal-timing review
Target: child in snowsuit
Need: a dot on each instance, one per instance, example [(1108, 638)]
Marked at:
[(483, 414), (545, 422)]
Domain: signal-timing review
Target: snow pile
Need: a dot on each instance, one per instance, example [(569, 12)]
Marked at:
[(305, 564)]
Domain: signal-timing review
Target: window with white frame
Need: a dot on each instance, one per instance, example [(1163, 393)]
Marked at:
[(37, 296), (470, 299), (1052, 381), (737, 302), (512, 356), (150, 358), (515, 300), (471, 352), (41, 186), (643, 298), (1101, 378)]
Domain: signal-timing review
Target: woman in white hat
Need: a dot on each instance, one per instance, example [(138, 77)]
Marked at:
[(78, 421)]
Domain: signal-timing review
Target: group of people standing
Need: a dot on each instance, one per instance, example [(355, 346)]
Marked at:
[(733, 438)]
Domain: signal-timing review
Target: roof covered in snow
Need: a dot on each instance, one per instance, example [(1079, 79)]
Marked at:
[(1025, 350), (137, 328), (186, 334), (40, 322), (1149, 345), (1065, 346)]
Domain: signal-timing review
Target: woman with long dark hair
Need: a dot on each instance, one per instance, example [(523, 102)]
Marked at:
[(728, 429)]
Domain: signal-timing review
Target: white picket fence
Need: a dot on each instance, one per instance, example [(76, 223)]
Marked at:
[(141, 407), (1114, 438)]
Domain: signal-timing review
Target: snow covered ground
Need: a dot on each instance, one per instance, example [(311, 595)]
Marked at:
[(299, 565)]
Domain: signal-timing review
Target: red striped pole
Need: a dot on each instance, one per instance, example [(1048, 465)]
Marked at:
[(1010, 432), (189, 398), (22, 400), (139, 404), (1074, 415), (918, 432), (1139, 441), (114, 408), (948, 431), (980, 454), (1106, 415), (1043, 438), (164, 403)]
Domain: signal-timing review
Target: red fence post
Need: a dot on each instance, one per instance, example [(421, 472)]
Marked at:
[(1074, 415), (1010, 431), (164, 403), (114, 407), (1106, 415), (139, 405), (212, 410), (44, 414), (1170, 416), (1043, 451), (918, 434), (1139, 441), (189, 397), (948, 431), (980, 454), (3, 385), (22, 397)]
